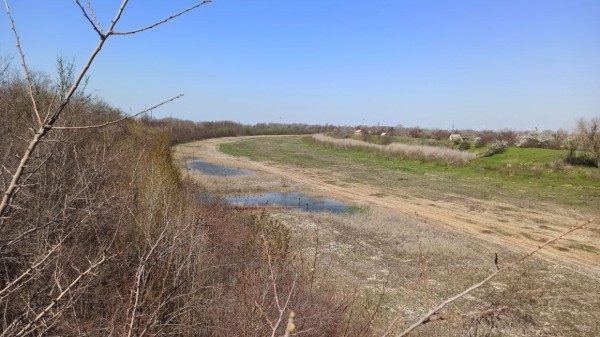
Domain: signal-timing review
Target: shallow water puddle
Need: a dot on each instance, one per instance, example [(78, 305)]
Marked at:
[(217, 170), (295, 200)]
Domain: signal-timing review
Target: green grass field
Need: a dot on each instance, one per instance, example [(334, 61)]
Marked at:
[(518, 173)]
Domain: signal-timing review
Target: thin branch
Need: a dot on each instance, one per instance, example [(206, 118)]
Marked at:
[(140, 279), (163, 21), (10, 192), (23, 63), (120, 119), (428, 317), (29, 327), (271, 274), (263, 314), (282, 310), (93, 22), (93, 15), (6, 290)]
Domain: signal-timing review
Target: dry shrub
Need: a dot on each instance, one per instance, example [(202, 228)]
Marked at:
[(258, 271), (405, 151), (103, 238), (494, 148)]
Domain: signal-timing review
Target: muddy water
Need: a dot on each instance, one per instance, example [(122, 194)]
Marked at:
[(293, 200), (217, 170)]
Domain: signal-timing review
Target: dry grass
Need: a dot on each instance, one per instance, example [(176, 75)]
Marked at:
[(412, 152), (421, 264)]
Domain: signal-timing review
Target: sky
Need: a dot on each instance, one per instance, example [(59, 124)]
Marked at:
[(435, 64)]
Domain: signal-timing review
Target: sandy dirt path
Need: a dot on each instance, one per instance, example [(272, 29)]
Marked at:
[(520, 228)]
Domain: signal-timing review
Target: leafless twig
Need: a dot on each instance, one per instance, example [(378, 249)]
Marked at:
[(91, 17), (162, 21), (31, 325), (120, 119), (23, 63)]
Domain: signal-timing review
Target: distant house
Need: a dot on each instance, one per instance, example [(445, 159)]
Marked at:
[(455, 137), (358, 132)]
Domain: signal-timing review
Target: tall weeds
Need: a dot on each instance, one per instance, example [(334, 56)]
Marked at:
[(433, 154)]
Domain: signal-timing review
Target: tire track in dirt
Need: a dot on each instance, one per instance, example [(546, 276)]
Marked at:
[(492, 221)]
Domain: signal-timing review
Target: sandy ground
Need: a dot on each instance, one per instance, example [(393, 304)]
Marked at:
[(493, 221)]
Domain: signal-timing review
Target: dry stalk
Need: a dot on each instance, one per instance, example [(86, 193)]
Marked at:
[(280, 308)]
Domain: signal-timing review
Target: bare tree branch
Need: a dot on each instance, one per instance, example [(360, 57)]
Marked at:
[(120, 119), (282, 310), (8, 288), (49, 123), (93, 15), (43, 130), (94, 21), (31, 325), (23, 63), (163, 21), (428, 317)]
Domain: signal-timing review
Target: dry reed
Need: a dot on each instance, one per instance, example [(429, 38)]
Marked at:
[(412, 152)]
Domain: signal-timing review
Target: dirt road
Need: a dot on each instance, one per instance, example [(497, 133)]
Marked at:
[(491, 220)]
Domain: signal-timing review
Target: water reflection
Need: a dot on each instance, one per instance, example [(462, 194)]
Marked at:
[(216, 170), (296, 200)]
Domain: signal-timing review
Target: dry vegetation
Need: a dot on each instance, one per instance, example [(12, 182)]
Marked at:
[(184, 131), (102, 237), (405, 151)]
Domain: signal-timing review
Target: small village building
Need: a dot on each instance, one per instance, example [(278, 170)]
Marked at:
[(456, 137)]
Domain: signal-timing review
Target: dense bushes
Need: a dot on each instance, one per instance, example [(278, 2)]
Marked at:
[(105, 238), (183, 131), (93, 226)]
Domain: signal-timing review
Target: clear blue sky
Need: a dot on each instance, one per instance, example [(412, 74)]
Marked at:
[(473, 64)]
